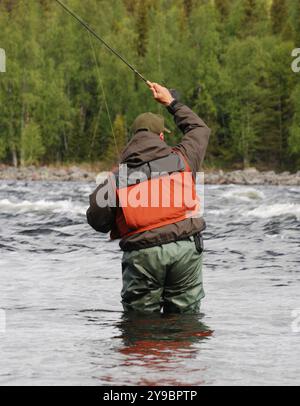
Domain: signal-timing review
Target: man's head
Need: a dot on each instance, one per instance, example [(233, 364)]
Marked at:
[(154, 123)]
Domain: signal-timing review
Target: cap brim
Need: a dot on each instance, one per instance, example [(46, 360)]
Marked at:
[(167, 130)]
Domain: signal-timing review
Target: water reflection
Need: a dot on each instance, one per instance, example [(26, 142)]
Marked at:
[(160, 342)]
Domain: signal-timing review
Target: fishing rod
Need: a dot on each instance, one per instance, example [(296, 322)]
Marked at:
[(93, 32)]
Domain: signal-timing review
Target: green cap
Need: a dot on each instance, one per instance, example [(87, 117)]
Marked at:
[(150, 122)]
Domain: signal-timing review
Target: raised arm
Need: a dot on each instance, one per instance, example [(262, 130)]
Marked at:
[(196, 133)]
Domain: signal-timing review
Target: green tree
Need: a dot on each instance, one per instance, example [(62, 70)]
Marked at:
[(32, 148), (142, 25), (223, 7), (118, 140), (279, 15), (249, 18), (294, 139), (276, 105), (295, 18), (229, 59), (245, 70)]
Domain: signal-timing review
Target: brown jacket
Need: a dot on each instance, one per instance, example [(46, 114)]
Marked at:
[(145, 147)]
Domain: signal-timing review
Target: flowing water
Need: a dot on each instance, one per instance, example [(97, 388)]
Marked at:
[(60, 295)]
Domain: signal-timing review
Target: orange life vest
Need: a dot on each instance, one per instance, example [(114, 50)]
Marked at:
[(166, 195)]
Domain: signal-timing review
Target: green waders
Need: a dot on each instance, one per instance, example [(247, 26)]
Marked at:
[(167, 277)]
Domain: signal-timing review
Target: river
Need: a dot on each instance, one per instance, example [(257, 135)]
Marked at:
[(61, 321)]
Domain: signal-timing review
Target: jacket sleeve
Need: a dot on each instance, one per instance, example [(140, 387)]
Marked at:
[(101, 219), (196, 134)]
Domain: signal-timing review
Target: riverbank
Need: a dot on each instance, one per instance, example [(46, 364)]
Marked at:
[(249, 176)]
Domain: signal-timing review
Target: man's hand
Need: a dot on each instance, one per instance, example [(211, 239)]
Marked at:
[(161, 94)]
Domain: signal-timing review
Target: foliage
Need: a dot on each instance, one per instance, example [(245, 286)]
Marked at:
[(31, 144), (229, 59)]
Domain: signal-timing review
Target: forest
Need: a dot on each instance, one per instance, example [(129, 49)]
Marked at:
[(65, 99)]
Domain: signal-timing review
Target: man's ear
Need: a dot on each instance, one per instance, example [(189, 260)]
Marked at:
[(162, 136)]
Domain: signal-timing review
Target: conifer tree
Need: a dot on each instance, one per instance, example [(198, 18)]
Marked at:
[(229, 59), (279, 15)]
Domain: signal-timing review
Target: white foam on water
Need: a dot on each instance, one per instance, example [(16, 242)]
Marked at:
[(275, 210), (14, 187), (3, 186), (244, 194), (87, 188), (294, 190), (220, 212), (61, 206)]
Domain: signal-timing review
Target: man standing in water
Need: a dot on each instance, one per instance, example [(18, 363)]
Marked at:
[(162, 243)]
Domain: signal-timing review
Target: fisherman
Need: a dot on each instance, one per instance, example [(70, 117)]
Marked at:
[(163, 248)]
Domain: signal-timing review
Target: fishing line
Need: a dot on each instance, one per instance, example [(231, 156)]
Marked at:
[(104, 95), (93, 32)]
